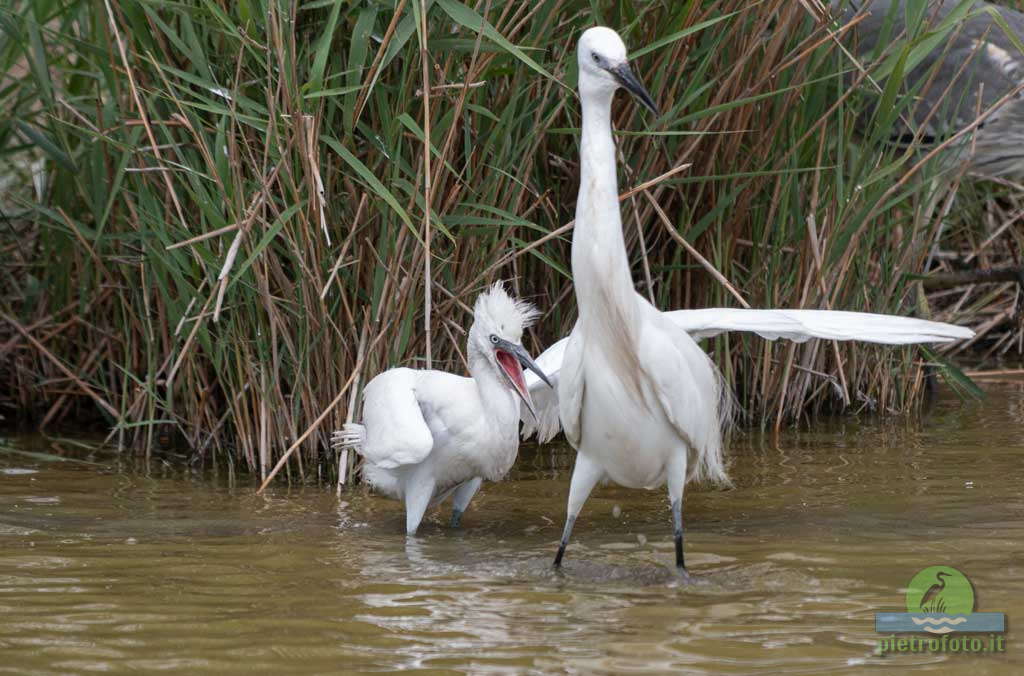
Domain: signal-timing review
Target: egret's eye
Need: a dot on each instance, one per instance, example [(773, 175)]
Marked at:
[(494, 339), (597, 59)]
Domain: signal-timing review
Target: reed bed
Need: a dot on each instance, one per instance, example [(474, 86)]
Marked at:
[(222, 216)]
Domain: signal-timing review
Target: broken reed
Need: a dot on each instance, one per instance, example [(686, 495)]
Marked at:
[(237, 205)]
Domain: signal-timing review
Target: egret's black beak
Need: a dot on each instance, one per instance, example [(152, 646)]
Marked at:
[(623, 74), (527, 361)]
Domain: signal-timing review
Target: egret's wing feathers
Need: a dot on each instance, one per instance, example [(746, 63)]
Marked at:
[(545, 399), (571, 387), (396, 433), (801, 325), (550, 362)]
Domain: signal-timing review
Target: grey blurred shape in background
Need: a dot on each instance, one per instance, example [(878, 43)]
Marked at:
[(973, 68)]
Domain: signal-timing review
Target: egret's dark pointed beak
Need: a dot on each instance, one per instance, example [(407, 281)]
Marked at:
[(623, 74), (511, 358), (527, 362)]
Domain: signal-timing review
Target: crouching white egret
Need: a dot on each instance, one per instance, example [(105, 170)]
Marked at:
[(429, 434)]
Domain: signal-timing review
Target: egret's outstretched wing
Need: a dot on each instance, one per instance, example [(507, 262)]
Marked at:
[(796, 325), (545, 399), (396, 433), (801, 325)]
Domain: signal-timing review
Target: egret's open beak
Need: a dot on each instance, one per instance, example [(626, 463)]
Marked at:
[(623, 74), (511, 358)]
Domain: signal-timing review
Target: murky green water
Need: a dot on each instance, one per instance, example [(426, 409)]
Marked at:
[(119, 565)]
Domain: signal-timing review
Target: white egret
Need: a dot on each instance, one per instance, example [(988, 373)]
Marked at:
[(429, 434), (638, 399)]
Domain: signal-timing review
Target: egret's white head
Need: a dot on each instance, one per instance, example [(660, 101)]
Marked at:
[(499, 313), (603, 66), (497, 334)]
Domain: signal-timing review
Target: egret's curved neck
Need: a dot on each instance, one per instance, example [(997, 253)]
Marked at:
[(600, 267), (498, 402)]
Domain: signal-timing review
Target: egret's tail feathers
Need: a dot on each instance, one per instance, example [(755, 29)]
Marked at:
[(547, 423), (709, 463), (383, 481), (351, 436)]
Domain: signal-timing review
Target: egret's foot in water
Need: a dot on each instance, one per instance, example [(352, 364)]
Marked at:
[(558, 569), (456, 518), (677, 516), (558, 557)]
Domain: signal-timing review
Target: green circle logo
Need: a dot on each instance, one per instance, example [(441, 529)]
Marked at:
[(940, 589)]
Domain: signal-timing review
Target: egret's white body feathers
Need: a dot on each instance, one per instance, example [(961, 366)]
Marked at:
[(446, 421), (427, 434)]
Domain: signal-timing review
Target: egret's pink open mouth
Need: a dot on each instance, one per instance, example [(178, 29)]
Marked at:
[(510, 365)]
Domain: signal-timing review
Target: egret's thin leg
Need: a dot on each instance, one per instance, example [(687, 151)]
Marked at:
[(419, 491), (677, 519), (463, 494), (441, 497), (585, 476), (676, 481)]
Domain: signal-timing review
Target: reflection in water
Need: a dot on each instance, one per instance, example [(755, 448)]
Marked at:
[(115, 564)]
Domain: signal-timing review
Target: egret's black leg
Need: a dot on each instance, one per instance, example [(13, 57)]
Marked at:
[(677, 518), (463, 494), (566, 532), (585, 475), (456, 518)]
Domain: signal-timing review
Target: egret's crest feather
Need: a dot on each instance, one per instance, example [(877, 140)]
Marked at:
[(495, 308)]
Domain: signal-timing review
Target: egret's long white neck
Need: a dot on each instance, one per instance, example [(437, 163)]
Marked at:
[(498, 402), (600, 266)]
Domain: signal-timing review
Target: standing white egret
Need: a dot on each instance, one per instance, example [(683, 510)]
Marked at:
[(638, 399), (428, 434)]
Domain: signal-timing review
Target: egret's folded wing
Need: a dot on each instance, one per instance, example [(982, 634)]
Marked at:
[(800, 325), (396, 433), (688, 389), (571, 389), (545, 399)]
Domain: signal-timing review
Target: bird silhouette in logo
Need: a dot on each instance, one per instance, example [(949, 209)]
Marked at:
[(932, 601)]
